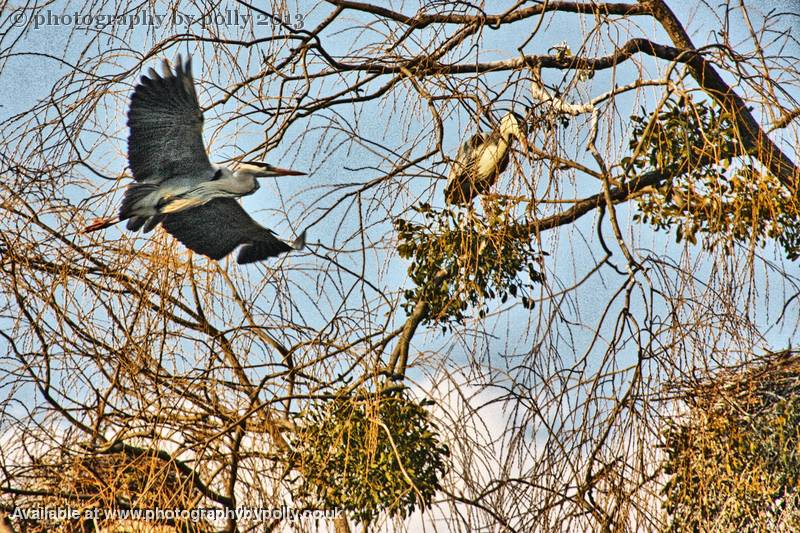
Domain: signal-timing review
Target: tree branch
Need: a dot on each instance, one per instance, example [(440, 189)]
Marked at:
[(421, 21), (752, 135)]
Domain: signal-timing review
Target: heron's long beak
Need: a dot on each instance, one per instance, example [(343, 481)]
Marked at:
[(270, 171)]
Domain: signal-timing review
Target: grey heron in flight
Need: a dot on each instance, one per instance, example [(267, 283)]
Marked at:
[(482, 158), (177, 186)]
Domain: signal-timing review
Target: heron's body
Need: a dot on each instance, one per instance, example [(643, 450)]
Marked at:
[(176, 184), (480, 161), (150, 199)]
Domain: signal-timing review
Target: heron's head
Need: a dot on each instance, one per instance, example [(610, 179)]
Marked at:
[(514, 125), (257, 169)]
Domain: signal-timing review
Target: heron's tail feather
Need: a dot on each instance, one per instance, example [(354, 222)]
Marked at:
[(458, 193), (135, 223), (134, 197), (148, 223), (449, 192), (152, 222)]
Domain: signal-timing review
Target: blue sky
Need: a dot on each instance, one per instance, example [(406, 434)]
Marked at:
[(29, 75)]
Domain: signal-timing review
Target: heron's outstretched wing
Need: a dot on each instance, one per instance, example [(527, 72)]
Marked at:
[(166, 137), (218, 227), (460, 182)]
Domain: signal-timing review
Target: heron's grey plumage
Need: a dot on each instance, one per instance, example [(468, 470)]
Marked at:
[(166, 128), (165, 146), (176, 184), (463, 184), (481, 159), (216, 228)]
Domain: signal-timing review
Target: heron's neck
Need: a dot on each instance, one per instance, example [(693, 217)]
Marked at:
[(242, 183), (505, 138)]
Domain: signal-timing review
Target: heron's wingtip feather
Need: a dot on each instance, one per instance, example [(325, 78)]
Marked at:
[(165, 122), (261, 250), (300, 242)]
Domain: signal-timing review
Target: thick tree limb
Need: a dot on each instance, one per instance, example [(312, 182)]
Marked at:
[(423, 65), (752, 135), (422, 20), (399, 358), (617, 195)]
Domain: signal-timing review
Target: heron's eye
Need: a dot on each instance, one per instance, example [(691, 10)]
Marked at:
[(217, 175)]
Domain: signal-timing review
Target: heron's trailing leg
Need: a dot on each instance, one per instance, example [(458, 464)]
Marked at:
[(175, 183), (101, 223)]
